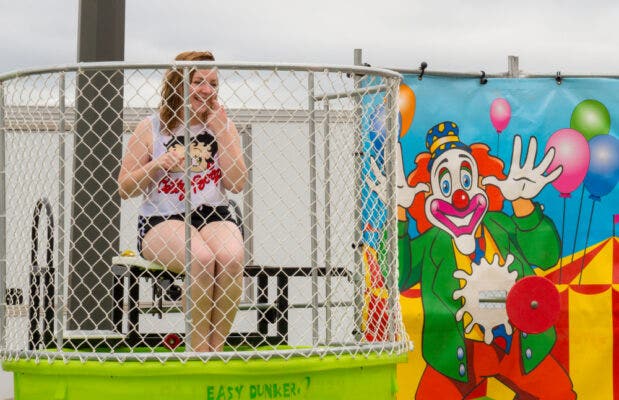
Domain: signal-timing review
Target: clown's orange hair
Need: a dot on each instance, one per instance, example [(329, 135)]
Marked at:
[(487, 165)]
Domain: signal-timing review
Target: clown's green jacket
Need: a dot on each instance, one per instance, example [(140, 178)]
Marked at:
[(532, 240)]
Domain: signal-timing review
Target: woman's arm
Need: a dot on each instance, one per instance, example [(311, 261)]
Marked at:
[(137, 170), (229, 148)]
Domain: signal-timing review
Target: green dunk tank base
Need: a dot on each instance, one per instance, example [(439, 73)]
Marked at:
[(327, 378)]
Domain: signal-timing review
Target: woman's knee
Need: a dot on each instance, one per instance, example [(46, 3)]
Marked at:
[(231, 257), (203, 262)]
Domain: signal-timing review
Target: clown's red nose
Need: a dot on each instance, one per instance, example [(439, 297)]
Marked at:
[(460, 199)]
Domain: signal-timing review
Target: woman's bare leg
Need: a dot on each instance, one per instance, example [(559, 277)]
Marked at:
[(165, 244), (224, 238)]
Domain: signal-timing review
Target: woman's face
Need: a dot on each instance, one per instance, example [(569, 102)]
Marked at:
[(203, 90)]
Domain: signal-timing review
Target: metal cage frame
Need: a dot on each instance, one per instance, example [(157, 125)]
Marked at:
[(47, 283)]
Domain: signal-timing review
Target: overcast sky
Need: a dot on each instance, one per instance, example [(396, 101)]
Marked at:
[(571, 36)]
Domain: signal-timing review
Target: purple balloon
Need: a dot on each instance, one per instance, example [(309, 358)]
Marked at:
[(571, 153)]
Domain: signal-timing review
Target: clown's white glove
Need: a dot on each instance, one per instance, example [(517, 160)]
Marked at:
[(404, 193), (525, 181)]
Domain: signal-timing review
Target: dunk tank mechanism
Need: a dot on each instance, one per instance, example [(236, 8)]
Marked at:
[(83, 317), (493, 297), (533, 304)]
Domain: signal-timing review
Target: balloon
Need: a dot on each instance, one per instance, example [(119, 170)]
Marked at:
[(571, 153), (406, 104), (378, 119), (604, 166), (378, 133), (591, 118), (500, 114)]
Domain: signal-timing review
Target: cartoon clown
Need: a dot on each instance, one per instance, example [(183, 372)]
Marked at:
[(467, 247)]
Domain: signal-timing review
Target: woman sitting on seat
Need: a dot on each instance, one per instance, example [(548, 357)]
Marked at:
[(153, 166)]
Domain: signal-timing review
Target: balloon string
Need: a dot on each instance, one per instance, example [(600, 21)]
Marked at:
[(498, 144), (582, 264), (582, 195), (562, 236)]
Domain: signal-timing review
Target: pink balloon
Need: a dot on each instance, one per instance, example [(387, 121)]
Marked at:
[(572, 153), (500, 114)]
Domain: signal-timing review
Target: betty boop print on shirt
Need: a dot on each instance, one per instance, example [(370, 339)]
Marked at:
[(202, 148)]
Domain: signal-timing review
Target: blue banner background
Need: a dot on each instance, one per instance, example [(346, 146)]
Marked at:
[(539, 107)]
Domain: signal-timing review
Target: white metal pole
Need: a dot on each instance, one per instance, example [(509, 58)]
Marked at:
[(187, 183), (3, 237), (60, 270), (313, 206)]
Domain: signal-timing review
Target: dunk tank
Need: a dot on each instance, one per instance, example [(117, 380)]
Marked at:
[(83, 316)]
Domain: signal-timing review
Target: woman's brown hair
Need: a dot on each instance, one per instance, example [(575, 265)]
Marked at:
[(172, 92)]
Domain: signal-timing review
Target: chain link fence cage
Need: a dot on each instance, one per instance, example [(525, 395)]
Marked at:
[(320, 245)]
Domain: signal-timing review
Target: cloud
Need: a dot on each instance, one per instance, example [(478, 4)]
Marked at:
[(36, 33), (453, 35)]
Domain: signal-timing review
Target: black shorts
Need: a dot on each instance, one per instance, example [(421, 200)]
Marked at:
[(199, 218)]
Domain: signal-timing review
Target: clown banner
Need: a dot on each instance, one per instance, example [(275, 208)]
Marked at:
[(508, 264)]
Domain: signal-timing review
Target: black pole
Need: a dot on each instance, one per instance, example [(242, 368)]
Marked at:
[(97, 153)]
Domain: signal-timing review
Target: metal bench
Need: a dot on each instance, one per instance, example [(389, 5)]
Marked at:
[(167, 295)]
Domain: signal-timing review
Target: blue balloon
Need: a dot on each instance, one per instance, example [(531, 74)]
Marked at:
[(377, 134), (603, 172), (377, 119)]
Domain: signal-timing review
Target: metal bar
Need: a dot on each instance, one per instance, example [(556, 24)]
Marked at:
[(60, 271), (477, 75), (391, 247), (321, 304), (352, 93), (392, 350), (384, 71), (237, 66), (282, 307), (248, 195), (263, 297), (513, 69), (133, 115), (448, 74), (313, 206), (327, 222), (118, 294), (3, 236), (186, 180), (149, 307), (133, 314), (358, 272)]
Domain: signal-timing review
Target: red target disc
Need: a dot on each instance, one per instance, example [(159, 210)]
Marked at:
[(171, 341), (533, 304)]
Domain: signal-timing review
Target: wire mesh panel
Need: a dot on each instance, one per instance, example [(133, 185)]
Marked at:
[(234, 227)]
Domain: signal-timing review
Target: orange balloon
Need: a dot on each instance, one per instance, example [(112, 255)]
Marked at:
[(406, 104)]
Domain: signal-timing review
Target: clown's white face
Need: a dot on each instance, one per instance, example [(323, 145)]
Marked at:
[(457, 203)]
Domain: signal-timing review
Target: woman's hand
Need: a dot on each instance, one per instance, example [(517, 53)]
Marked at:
[(170, 161), (217, 119)]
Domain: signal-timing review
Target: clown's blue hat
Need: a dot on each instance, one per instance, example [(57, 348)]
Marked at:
[(442, 137)]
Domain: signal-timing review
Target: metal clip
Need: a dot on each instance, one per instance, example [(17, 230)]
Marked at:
[(482, 79), (422, 67)]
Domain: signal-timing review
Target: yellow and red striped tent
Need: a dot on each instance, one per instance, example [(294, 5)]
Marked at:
[(588, 284)]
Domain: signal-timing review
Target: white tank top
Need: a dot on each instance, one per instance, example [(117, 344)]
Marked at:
[(167, 197)]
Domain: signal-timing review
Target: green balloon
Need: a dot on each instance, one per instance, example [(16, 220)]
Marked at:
[(591, 118)]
